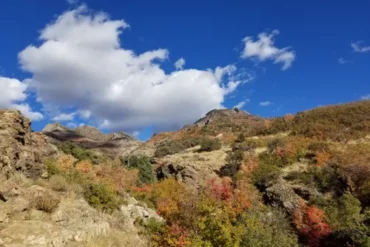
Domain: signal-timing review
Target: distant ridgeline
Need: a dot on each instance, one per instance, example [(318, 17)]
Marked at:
[(337, 122)]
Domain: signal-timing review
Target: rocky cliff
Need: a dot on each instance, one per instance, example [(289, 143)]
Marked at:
[(20, 148)]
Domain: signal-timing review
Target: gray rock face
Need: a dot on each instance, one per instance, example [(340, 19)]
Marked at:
[(182, 173), (20, 149), (134, 210), (282, 195)]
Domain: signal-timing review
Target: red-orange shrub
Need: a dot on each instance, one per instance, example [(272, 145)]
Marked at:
[(310, 221), (116, 176)]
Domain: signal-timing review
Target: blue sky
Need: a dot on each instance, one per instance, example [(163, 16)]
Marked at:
[(117, 70)]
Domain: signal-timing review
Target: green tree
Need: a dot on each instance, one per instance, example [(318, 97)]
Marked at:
[(142, 163), (208, 145), (346, 220)]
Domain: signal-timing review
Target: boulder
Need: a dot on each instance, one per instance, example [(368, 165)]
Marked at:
[(282, 194)]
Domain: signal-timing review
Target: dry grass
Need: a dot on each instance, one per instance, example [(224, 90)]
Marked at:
[(115, 239), (58, 183), (46, 202)]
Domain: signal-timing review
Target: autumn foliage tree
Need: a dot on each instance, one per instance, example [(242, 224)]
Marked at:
[(310, 221)]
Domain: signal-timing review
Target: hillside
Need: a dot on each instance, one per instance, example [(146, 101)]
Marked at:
[(229, 179), (88, 137), (48, 198), (313, 167)]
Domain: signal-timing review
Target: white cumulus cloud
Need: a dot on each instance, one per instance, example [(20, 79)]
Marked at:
[(366, 97), (80, 64), (135, 134), (241, 104), (265, 103), (71, 125), (341, 60), (179, 64), (12, 96), (85, 114), (72, 2), (264, 49), (64, 117), (359, 47)]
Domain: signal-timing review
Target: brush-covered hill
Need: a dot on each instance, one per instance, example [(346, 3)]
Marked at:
[(229, 179), (336, 122), (296, 180)]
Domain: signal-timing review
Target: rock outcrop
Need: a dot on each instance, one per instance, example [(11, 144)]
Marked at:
[(289, 194), (73, 222), (20, 148), (191, 167), (220, 115)]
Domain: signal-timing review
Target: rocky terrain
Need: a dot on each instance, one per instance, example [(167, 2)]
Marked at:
[(229, 179), (37, 212)]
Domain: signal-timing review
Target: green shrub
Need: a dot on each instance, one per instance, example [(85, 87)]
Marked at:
[(78, 152), (319, 147), (169, 148), (152, 225), (58, 183), (208, 145), (264, 174), (234, 159), (240, 138), (51, 167), (275, 143), (191, 142), (142, 163), (102, 197), (344, 215), (272, 159), (328, 178), (253, 143), (299, 176), (75, 177), (263, 227), (346, 220), (325, 179)]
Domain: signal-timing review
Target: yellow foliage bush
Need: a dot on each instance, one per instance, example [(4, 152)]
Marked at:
[(65, 162), (115, 175), (84, 166)]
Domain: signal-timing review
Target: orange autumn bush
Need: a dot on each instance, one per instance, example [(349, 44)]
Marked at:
[(321, 158), (84, 166), (65, 162), (115, 175), (310, 221)]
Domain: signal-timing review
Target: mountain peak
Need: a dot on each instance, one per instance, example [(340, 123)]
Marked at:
[(220, 114), (50, 127)]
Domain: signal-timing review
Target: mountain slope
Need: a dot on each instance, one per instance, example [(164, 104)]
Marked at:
[(112, 145)]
